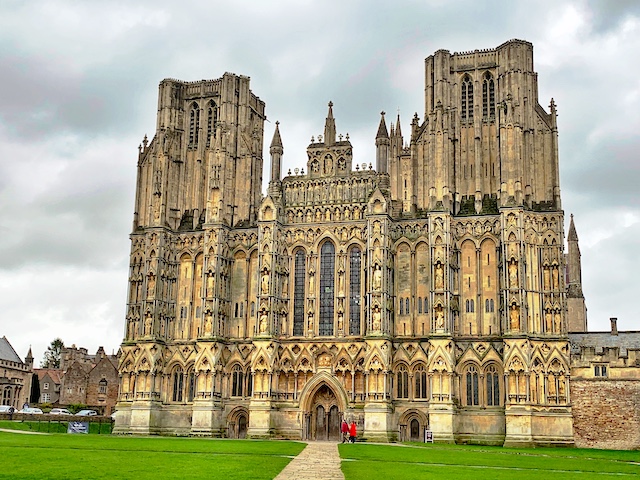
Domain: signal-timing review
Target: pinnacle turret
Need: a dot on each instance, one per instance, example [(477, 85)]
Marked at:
[(572, 236), (330, 127), (382, 128), (276, 142)]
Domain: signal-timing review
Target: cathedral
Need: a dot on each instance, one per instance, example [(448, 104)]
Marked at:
[(425, 290)]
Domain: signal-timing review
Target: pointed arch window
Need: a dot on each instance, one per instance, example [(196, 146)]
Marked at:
[(488, 97), (327, 287), (298, 293), (212, 119), (493, 386), (194, 125), (472, 386), (467, 98), (402, 381), (237, 381), (420, 375), (355, 262), (178, 385)]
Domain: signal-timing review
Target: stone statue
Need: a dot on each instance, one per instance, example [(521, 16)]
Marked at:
[(440, 319), (439, 276), (263, 322), (515, 318), (377, 278), (513, 274), (264, 284), (377, 319)]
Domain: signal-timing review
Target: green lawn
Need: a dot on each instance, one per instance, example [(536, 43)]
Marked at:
[(63, 456), (361, 461)]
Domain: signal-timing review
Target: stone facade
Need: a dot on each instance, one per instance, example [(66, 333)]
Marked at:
[(423, 289), (15, 376), (605, 388)]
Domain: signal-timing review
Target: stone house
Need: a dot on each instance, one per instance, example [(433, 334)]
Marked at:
[(50, 383)]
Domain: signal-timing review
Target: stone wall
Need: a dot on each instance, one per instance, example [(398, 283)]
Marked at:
[(606, 413)]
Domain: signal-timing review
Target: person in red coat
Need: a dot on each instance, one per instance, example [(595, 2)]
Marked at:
[(345, 430), (352, 432)]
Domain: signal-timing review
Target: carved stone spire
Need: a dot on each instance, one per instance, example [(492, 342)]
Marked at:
[(330, 128), (276, 150)]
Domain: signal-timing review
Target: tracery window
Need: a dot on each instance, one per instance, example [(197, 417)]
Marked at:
[(327, 282), (212, 119), (467, 99), (355, 262), (298, 293), (472, 385), (488, 96), (493, 386), (402, 382), (420, 375), (194, 125), (178, 384), (237, 378)]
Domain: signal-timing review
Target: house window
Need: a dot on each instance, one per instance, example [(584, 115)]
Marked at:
[(45, 386), (601, 370), (102, 386), (46, 397)]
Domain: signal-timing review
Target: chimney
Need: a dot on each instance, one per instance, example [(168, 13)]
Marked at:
[(614, 326)]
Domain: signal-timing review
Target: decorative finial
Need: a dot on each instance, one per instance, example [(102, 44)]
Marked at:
[(382, 113), (347, 137), (340, 137), (330, 104), (313, 139), (277, 123), (289, 172)]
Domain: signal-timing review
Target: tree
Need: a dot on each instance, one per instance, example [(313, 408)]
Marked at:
[(52, 354)]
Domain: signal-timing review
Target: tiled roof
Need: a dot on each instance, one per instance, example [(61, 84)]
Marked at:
[(54, 373), (600, 340), (7, 352)]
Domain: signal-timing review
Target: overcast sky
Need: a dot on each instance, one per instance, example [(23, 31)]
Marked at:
[(79, 91)]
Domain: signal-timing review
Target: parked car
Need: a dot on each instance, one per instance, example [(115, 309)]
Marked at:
[(31, 411), (87, 413), (59, 411), (7, 409)]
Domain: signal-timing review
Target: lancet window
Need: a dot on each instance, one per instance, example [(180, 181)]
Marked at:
[(467, 99), (471, 377), (420, 375), (237, 381), (493, 386), (327, 287), (212, 119), (298, 293), (488, 97), (194, 125), (402, 382), (355, 262)]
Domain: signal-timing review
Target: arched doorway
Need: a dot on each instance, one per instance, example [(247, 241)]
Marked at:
[(324, 421), (414, 430), (242, 426)]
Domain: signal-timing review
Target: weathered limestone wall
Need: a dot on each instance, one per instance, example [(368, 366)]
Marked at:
[(606, 413)]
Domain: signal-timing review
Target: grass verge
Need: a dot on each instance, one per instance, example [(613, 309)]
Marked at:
[(63, 456), (392, 462)]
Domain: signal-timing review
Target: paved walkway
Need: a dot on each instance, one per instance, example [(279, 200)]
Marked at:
[(318, 461)]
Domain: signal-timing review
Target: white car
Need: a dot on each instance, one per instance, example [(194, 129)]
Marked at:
[(87, 413), (59, 411), (31, 411), (7, 409)]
